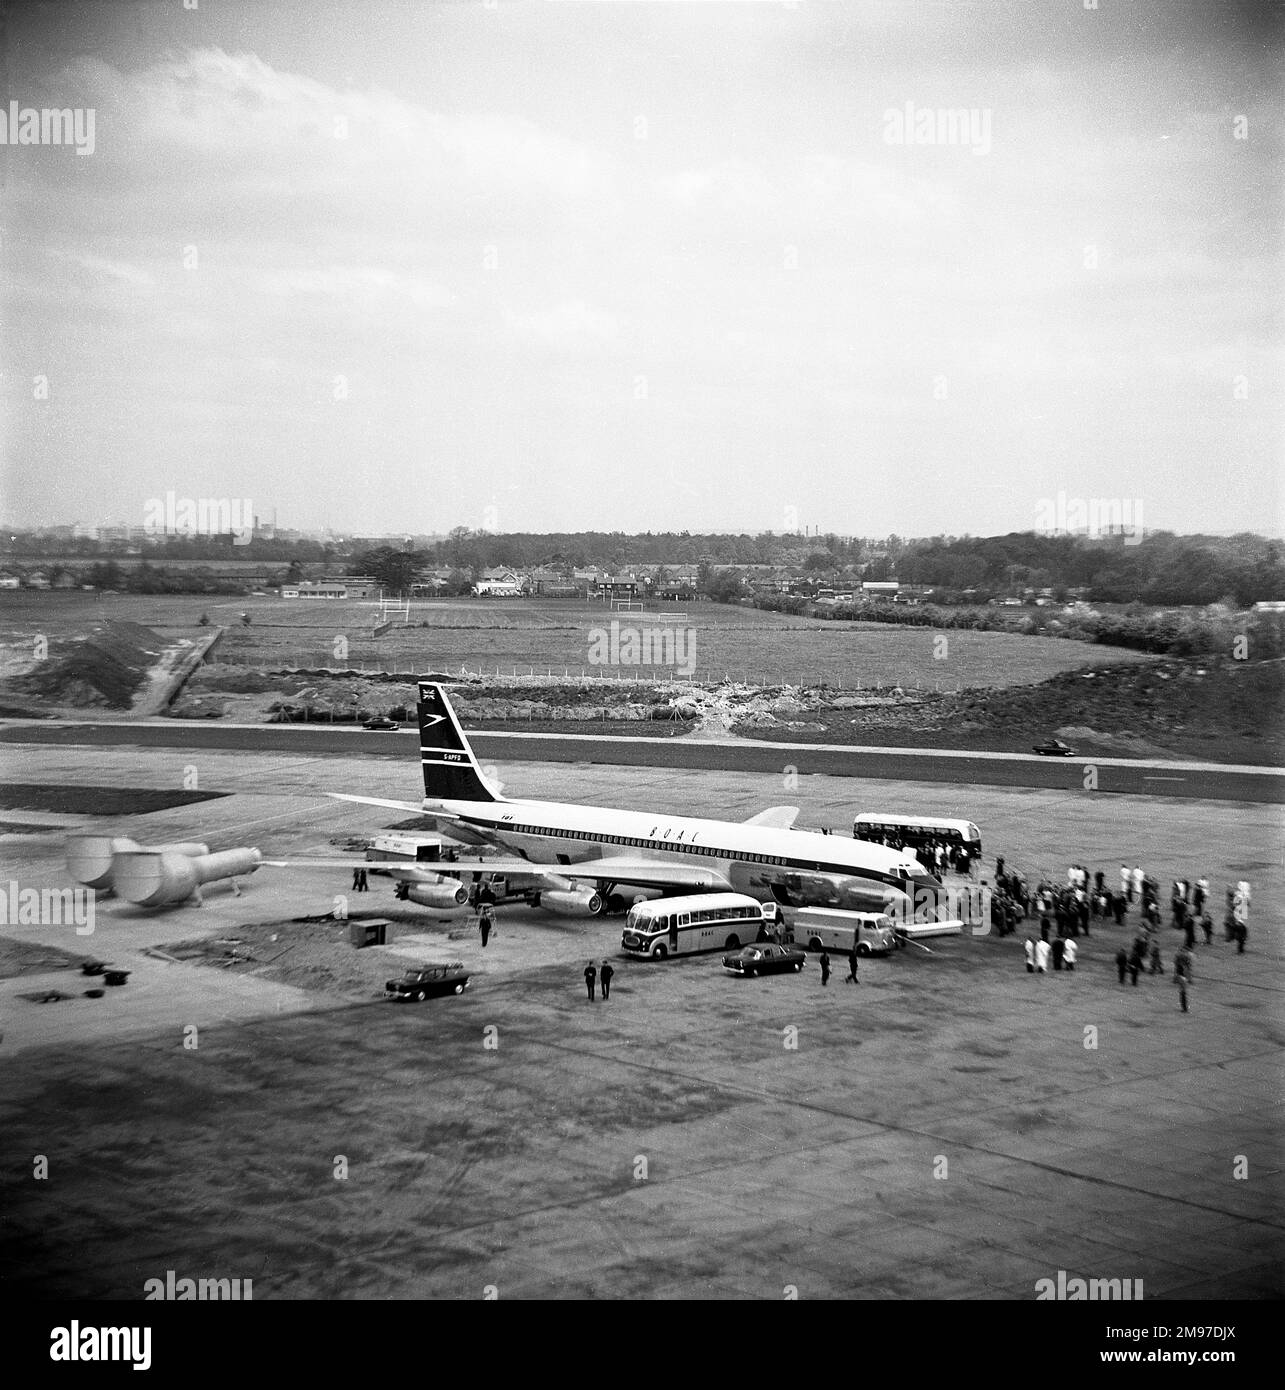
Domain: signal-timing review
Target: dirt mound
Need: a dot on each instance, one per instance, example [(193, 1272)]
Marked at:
[(102, 668), (1228, 710), (1197, 699)]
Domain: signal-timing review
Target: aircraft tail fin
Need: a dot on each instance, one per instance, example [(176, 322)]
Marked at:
[(451, 772)]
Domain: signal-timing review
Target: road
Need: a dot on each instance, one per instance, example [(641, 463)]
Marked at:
[(1146, 777)]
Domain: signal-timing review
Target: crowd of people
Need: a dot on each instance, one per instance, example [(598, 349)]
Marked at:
[(941, 856), (1067, 910)]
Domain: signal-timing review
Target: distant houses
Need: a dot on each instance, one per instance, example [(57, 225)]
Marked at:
[(499, 583), (340, 587)]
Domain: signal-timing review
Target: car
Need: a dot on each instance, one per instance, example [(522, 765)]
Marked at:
[(429, 979), (1054, 748), (762, 958), (381, 725)]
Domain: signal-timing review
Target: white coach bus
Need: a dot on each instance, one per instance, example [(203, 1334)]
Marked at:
[(916, 832), (702, 922)]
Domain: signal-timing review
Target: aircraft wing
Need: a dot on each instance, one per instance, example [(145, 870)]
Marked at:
[(354, 863), (641, 873), (415, 806), (776, 817)]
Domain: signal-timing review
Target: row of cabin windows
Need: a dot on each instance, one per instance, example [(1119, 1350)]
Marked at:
[(632, 840), (911, 832), (726, 914)]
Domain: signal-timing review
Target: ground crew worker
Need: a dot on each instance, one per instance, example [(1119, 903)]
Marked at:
[(485, 923), (1135, 961), (605, 975), (852, 966), (590, 977), (1182, 974), (825, 966)]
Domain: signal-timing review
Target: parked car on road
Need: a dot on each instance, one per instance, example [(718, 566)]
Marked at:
[(429, 979), (1054, 748), (763, 958), (380, 725)]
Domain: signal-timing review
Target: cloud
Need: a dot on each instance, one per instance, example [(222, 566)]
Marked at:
[(364, 287), (99, 266), (570, 324)]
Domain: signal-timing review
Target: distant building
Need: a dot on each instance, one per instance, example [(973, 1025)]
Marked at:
[(499, 583), (358, 585), (875, 587), (617, 586), (328, 588)]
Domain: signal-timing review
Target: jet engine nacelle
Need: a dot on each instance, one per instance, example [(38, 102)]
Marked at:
[(623, 898), (90, 857), (573, 902), (446, 893), (156, 878)]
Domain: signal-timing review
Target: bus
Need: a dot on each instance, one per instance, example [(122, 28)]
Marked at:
[(917, 833), (874, 933), (702, 922)]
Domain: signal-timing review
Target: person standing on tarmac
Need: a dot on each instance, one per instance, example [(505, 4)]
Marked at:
[(590, 977), (852, 966), (605, 975), (1182, 974), (825, 966)]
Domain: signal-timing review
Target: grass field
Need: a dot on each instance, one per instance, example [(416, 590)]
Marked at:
[(555, 637)]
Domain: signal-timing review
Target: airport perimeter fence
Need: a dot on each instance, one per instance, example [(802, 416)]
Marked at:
[(302, 663)]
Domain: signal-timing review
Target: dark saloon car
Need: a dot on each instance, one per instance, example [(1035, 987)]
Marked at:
[(762, 958), (429, 979), (1055, 748), (381, 725)]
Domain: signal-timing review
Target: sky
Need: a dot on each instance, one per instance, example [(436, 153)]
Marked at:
[(659, 266)]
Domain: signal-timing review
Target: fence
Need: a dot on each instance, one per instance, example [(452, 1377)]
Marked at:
[(302, 662)]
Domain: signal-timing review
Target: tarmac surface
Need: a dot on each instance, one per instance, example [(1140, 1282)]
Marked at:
[(1135, 776), (953, 1127)]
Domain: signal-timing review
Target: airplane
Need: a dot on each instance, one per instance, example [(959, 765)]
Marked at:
[(583, 860)]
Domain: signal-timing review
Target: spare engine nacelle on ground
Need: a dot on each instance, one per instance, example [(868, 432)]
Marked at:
[(90, 857), (155, 878), (573, 902)]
